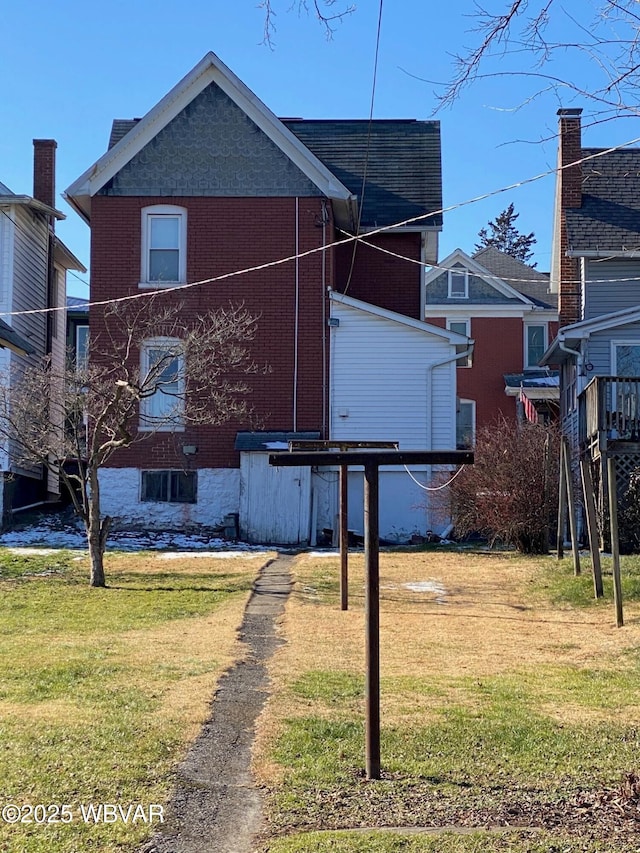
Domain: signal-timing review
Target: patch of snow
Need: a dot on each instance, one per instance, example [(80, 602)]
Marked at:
[(428, 586), (322, 553)]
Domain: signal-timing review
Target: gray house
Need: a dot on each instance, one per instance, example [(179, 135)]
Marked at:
[(596, 271)]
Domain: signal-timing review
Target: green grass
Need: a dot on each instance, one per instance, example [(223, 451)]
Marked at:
[(558, 582), (513, 841), (82, 717), (536, 733)]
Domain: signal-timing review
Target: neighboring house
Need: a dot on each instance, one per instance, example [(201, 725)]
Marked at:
[(78, 330), (33, 268), (209, 182), (596, 273), (505, 307)]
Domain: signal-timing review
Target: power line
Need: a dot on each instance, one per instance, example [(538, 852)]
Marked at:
[(380, 230)]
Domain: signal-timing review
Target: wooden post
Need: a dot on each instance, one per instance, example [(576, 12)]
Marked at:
[(573, 524), (344, 538), (372, 619), (592, 525), (562, 505), (615, 544)]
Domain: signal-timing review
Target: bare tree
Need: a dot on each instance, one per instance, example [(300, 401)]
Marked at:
[(328, 13), (510, 493), (150, 370), (532, 38)]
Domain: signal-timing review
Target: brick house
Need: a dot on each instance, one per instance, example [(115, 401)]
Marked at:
[(210, 182), (505, 306)]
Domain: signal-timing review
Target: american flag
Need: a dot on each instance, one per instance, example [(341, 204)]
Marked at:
[(530, 411)]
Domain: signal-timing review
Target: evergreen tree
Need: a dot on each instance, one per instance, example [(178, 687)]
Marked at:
[(504, 235)]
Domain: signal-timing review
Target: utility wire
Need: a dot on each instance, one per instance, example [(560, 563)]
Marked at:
[(367, 150), (380, 230)]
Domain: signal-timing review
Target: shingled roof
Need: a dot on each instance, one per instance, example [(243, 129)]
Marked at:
[(403, 167), (523, 278), (609, 218)]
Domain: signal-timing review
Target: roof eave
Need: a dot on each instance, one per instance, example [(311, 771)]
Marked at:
[(34, 203)]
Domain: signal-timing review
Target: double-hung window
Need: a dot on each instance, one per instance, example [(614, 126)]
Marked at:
[(462, 327), (535, 343), (162, 385), (164, 245), (465, 424), (458, 283)]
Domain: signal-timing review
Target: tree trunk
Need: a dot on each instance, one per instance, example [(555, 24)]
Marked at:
[(97, 532)]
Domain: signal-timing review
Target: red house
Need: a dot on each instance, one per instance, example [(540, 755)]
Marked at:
[(210, 182), (506, 308)]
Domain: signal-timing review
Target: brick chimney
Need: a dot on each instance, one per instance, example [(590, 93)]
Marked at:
[(569, 194), (44, 171)]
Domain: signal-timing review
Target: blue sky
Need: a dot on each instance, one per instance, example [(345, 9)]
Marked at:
[(69, 68)]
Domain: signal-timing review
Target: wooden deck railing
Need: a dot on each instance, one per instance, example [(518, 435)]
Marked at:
[(609, 407)]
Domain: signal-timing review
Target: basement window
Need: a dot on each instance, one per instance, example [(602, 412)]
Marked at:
[(179, 487)]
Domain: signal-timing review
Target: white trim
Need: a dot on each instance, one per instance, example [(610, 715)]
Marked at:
[(174, 425), (84, 328), (472, 403), (614, 354), (545, 332), (458, 272), (460, 257), (147, 215), (452, 337), (467, 323), (488, 309), (209, 70)]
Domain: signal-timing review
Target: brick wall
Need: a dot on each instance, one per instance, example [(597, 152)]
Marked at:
[(44, 171), (380, 278), (224, 235), (570, 178)]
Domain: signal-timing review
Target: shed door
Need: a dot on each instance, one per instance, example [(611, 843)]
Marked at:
[(275, 503)]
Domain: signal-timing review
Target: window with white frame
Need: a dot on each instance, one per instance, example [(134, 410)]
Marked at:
[(465, 424), (164, 245), (82, 348), (458, 279), (535, 343), (462, 327), (169, 486), (162, 385)]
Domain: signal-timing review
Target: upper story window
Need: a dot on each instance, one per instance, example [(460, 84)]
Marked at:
[(458, 283), (462, 327), (162, 383), (535, 343), (164, 245), (82, 348)]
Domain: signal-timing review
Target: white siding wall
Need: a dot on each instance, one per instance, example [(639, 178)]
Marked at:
[(384, 386), (598, 348), (218, 495), (380, 378), (30, 276)]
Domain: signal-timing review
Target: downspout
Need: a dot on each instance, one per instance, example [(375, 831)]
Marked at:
[(430, 369), (296, 319)]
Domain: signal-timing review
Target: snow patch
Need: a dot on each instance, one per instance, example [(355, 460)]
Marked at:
[(430, 585)]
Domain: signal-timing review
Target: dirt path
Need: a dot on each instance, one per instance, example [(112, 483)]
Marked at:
[(215, 807)]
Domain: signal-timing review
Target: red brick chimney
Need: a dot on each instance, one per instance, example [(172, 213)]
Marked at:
[(569, 195), (44, 171)]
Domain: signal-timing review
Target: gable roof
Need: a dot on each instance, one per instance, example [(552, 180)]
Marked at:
[(209, 70), (472, 265), (523, 278), (608, 220), (574, 333), (399, 157), (401, 319)]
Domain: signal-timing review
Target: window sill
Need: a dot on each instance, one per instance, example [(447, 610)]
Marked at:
[(162, 428), (159, 285)]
